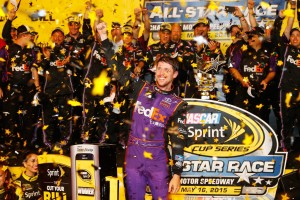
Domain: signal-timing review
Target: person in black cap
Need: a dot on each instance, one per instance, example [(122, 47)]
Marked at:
[(78, 43), (164, 46), (58, 89), (22, 84), (253, 68)]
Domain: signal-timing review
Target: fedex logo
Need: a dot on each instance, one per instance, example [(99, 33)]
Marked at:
[(152, 113), (23, 68), (293, 61), (255, 68)]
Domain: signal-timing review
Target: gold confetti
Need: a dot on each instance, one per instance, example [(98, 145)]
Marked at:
[(244, 47), (259, 106), (280, 63), (298, 158), (248, 139), (213, 6), (148, 155), (74, 103), (194, 65), (7, 132), (285, 196), (288, 99), (100, 83)]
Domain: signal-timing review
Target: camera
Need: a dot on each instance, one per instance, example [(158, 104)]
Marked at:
[(230, 9)]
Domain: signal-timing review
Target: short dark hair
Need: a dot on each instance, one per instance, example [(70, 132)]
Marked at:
[(294, 29), (233, 26), (168, 59)]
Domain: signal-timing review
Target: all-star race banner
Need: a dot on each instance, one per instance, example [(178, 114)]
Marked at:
[(188, 12), (231, 154)]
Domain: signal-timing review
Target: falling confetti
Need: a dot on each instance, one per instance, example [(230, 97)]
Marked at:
[(288, 99), (100, 83), (148, 155), (74, 103), (248, 139)]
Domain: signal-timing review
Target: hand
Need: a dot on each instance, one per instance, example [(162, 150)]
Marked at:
[(174, 184), (238, 13), (88, 6), (245, 84), (264, 84), (251, 4), (11, 14), (212, 45), (144, 11), (137, 13), (46, 52), (281, 14)]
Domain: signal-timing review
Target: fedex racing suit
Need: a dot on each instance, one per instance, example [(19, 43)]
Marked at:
[(147, 156)]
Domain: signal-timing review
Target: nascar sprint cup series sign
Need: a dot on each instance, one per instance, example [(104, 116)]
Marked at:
[(231, 153)]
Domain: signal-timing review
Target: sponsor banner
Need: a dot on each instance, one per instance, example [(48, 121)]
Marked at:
[(55, 173), (231, 152), (218, 12)]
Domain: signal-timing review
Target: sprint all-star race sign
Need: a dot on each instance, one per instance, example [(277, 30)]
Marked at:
[(232, 153), (188, 12)]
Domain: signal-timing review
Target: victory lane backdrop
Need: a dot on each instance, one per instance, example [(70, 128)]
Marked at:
[(45, 15)]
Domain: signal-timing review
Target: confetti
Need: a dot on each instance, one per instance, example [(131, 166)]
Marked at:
[(148, 155), (248, 139), (100, 83)]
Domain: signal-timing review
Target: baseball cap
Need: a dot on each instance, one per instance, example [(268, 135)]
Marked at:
[(165, 27), (256, 31), (114, 24), (57, 29), (73, 19), (203, 21), (127, 29), (23, 29)]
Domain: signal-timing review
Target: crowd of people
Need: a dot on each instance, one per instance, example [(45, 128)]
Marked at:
[(48, 98)]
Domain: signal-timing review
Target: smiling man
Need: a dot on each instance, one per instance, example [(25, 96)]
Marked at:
[(154, 122)]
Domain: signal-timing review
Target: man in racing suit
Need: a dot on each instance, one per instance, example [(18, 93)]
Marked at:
[(154, 123)]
